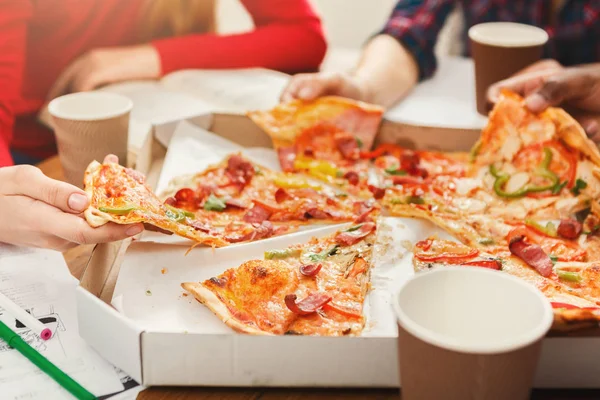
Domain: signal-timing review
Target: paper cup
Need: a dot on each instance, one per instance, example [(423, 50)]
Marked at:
[(499, 50), (88, 126), (467, 333)]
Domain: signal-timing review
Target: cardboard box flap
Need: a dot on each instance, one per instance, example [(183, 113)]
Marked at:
[(97, 320)]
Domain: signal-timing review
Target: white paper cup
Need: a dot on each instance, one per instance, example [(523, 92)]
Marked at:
[(88, 126), (501, 49), (469, 333)]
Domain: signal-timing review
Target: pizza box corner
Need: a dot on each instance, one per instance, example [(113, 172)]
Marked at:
[(214, 356)]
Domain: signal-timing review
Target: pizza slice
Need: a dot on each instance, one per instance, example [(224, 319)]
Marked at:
[(317, 288), (120, 195), (541, 163), (570, 287), (323, 138), (238, 192)]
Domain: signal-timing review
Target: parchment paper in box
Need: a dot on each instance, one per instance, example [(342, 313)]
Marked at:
[(191, 150), (148, 292)]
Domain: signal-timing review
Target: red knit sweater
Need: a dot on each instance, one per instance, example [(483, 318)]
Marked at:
[(38, 39)]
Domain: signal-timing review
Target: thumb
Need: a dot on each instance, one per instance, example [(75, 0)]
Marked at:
[(29, 181), (559, 88)]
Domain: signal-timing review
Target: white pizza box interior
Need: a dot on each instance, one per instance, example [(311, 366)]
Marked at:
[(133, 311)]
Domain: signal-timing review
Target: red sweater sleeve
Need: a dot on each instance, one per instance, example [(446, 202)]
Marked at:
[(287, 37), (14, 15)]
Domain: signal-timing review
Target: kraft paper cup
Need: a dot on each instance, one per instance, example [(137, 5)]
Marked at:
[(88, 126), (467, 333), (499, 50)]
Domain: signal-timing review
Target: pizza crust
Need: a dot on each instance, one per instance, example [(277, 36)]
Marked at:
[(569, 130), (93, 216), (210, 300), (285, 121)]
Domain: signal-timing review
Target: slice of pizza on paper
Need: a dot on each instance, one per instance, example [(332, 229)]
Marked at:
[(316, 288)]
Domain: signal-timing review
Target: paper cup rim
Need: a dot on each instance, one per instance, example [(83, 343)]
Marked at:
[(475, 36), (54, 106), (440, 340)]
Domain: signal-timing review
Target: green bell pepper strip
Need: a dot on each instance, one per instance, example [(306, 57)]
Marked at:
[(569, 276), (118, 210), (177, 214), (213, 203), (542, 171), (549, 229), (282, 254)]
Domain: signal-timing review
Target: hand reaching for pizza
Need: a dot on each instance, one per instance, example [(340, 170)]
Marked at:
[(311, 86), (575, 88), (38, 211)]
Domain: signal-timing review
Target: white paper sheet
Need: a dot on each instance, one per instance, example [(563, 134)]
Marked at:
[(40, 282), (148, 288), (447, 100)]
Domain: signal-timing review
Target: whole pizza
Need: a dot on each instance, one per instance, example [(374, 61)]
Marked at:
[(524, 201)]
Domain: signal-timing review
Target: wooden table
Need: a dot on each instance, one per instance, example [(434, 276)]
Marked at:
[(76, 259)]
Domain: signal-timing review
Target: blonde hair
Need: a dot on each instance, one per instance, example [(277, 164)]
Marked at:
[(167, 18)]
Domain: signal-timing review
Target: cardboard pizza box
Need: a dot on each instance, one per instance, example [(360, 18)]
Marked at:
[(225, 358)]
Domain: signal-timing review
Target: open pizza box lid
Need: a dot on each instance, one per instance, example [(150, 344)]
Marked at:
[(219, 357)]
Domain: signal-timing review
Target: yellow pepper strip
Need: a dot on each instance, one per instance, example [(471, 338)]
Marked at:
[(318, 168), (288, 181)]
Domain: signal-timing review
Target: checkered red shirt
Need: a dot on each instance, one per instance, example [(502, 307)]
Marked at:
[(574, 32)]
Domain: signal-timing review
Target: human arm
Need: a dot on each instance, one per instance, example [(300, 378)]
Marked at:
[(287, 37), (13, 30), (391, 63)]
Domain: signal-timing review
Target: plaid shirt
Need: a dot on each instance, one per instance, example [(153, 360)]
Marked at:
[(574, 29)]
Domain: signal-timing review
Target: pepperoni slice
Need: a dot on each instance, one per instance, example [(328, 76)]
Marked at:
[(310, 269), (281, 195), (363, 209), (569, 228), (239, 171), (347, 145), (257, 214), (308, 305), (200, 226), (287, 156), (532, 254), (378, 192), (355, 236), (235, 203), (185, 195), (564, 250), (352, 177), (409, 162), (316, 213), (407, 180), (267, 205)]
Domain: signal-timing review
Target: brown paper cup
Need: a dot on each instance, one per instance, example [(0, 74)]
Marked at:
[(88, 126), (499, 50), (467, 333)]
